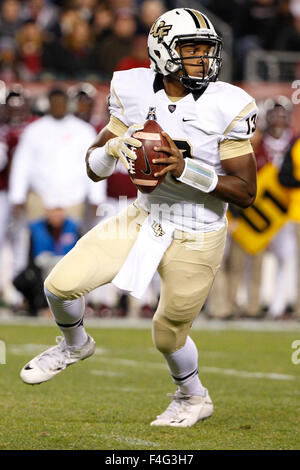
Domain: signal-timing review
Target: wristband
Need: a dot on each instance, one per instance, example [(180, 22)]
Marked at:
[(101, 163), (199, 175)]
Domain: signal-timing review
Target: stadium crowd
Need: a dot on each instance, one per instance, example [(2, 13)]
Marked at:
[(41, 218), (89, 39)]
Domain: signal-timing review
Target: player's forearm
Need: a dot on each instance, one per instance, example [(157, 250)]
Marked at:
[(235, 190), (237, 187), (99, 165)]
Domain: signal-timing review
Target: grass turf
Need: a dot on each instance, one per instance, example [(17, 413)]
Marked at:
[(108, 401)]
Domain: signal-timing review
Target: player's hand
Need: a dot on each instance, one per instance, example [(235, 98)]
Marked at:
[(174, 161), (123, 147)]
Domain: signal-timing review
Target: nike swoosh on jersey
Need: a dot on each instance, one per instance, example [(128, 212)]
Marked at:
[(186, 120)]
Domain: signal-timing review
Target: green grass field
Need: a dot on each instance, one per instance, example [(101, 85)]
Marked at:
[(108, 401)]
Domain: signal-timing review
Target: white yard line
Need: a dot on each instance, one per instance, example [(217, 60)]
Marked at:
[(131, 363), (144, 323), (102, 355), (101, 351), (134, 441), (214, 370), (248, 375), (33, 348), (124, 389), (106, 373), (30, 349)]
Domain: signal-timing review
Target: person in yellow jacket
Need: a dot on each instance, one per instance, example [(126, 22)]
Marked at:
[(289, 177)]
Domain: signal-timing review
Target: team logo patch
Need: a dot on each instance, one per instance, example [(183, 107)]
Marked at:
[(152, 113), (172, 108), (160, 30), (157, 229)]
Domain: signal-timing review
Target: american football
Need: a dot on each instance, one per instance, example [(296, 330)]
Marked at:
[(142, 170)]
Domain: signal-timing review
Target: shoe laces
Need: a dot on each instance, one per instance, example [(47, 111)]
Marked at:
[(178, 405), (55, 357)]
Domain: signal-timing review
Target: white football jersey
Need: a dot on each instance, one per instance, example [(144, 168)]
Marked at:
[(197, 124)]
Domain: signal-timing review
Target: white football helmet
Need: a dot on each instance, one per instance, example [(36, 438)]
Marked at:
[(174, 28)]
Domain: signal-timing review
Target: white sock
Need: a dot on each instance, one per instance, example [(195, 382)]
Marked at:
[(68, 315), (183, 365)]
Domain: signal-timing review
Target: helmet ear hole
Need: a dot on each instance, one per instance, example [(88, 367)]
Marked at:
[(157, 53), (171, 67)]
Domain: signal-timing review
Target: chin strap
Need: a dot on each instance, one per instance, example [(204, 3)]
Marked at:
[(193, 85)]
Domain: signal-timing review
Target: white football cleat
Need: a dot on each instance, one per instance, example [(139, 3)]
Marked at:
[(48, 364), (185, 410)]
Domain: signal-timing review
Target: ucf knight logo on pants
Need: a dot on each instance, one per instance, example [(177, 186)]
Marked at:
[(157, 229)]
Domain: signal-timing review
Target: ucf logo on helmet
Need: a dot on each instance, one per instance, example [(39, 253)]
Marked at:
[(160, 30)]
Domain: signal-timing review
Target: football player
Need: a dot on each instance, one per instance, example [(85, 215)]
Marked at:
[(208, 163)]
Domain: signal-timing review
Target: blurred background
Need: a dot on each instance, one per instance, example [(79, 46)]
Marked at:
[(56, 60)]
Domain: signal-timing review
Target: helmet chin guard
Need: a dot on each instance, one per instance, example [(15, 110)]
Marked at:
[(174, 28)]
